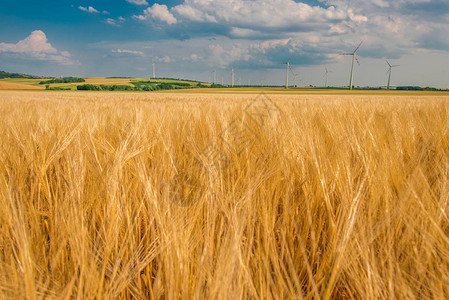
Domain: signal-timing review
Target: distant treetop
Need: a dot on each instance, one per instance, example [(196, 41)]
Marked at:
[(4, 74)]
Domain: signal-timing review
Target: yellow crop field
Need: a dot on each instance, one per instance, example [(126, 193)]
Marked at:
[(239, 196), (16, 85)]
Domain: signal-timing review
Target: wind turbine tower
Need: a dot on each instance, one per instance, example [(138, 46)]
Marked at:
[(154, 69), (390, 66), (354, 57), (294, 75), (232, 77), (326, 75), (286, 73), (215, 76)]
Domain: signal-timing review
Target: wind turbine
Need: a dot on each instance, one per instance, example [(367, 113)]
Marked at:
[(215, 76), (354, 57), (389, 72), (294, 76), (326, 75), (232, 77), (154, 69), (286, 73)]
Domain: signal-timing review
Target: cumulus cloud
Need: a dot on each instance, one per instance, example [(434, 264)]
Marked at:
[(138, 2), (240, 16), (124, 51), (303, 50), (262, 14), (37, 46), (223, 55), (264, 33), (159, 13), (403, 24), (89, 9)]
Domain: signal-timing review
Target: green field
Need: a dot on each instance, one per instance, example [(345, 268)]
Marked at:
[(32, 84)]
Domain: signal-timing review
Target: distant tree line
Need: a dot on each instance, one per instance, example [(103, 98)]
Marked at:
[(63, 80), (140, 86), (156, 86), (160, 85), (102, 87), (4, 74), (418, 88)]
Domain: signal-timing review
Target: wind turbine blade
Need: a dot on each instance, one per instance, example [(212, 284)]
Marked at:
[(357, 60), (358, 46), (291, 70), (388, 63), (346, 53), (393, 66)]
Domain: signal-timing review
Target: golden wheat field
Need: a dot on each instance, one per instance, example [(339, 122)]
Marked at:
[(172, 196)]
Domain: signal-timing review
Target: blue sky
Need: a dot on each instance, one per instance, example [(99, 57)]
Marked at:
[(190, 38)]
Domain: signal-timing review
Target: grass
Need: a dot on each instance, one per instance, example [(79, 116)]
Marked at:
[(33, 83), (112, 196), (28, 81), (25, 83)]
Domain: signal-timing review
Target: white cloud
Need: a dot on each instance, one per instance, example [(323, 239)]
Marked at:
[(192, 58), (260, 14), (37, 46), (159, 13), (138, 2), (111, 21), (224, 56), (312, 34), (115, 22), (164, 59), (140, 17), (124, 51), (356, 18), (89, 9), (245, 33), (193, 13)]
